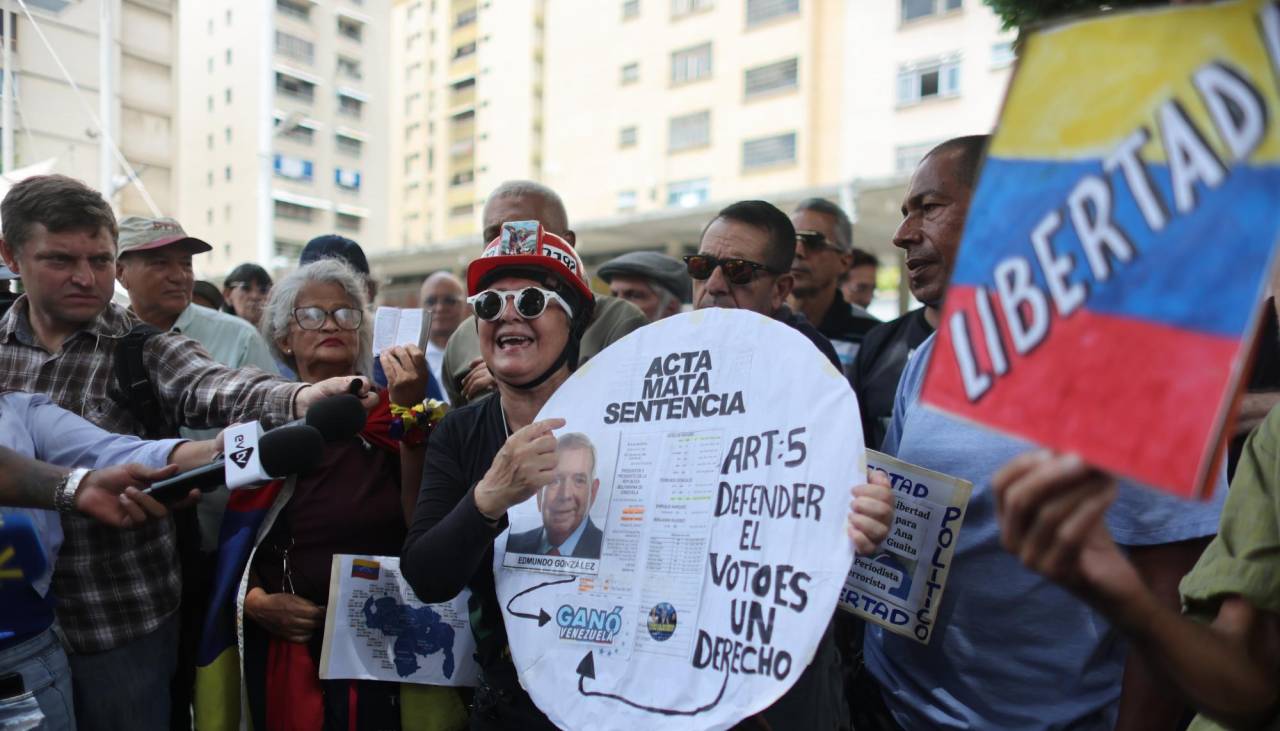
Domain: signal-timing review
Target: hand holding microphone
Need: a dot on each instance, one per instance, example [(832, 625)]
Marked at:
[(287, 450)]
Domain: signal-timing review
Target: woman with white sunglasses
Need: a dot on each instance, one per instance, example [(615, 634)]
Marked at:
[(532, 302)]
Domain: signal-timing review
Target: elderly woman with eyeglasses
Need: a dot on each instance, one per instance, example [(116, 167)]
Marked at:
[(351, 503)]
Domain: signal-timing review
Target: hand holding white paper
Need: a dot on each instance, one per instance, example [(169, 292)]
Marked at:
[(683, 565)]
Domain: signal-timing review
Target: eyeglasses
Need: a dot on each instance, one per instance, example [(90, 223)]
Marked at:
[(447, 300), (313, 318), (813, 242), (737, 271), (531, 302)]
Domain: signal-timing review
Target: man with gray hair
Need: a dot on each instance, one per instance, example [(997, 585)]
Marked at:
[(565, 505), (656, 283), (824, 253), (465, 375)]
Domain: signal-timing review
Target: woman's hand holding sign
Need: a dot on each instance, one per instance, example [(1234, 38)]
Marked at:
[(523, 466), (870, 513)]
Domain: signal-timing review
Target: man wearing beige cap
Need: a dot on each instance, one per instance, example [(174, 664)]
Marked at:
[(154, 265)]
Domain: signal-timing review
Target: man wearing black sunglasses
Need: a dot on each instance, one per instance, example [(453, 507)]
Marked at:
[(744, 262), (824, 253)]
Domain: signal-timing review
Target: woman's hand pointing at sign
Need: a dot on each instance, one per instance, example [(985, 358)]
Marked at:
[(870, 513), (523, 466)]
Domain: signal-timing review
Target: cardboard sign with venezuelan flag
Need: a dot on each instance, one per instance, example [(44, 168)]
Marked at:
[(1107, 289)]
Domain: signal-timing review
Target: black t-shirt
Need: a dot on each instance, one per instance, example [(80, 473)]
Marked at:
[(878, 368), (450, 546), (846, 330)]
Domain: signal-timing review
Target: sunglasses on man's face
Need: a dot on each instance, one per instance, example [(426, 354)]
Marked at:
[(313, 318), (737, 271), (813, 242), (530, 302)]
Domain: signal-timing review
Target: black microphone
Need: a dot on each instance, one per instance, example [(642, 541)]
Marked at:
[(284, 451), (336, 417)]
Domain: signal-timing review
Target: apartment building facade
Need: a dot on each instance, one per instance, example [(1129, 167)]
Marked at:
[(283, 128), (467, 90), (54, 123)]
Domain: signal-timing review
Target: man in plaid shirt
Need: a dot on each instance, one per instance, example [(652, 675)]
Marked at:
[(118, 591)]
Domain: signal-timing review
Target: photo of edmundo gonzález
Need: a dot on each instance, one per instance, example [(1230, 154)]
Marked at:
[(565, 505)]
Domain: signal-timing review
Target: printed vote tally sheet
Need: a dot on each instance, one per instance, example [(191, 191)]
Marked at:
[(900, 586)]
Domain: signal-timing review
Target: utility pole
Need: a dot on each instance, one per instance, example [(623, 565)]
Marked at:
[(106, 95), (8, 20)]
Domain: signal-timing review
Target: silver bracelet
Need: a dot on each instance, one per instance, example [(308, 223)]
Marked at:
[(64, 495)]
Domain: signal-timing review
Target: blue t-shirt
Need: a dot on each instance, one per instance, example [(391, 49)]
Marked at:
[(1011, 650)]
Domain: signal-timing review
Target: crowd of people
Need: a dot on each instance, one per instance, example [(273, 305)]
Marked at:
[(1075, 600)]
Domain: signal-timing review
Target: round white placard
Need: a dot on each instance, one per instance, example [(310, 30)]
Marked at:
[(684, 564)]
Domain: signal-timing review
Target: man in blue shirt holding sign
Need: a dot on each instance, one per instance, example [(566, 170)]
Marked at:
[(1011, 650)]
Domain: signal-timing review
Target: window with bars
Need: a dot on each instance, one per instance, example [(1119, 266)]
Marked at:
[(627, 136), (300, 9), (932, 79), (688, 193), (684, 7), (691, 64), (689, 131), (348, 28), (292, 86), (626, 200), (760, 11), (630, 73), (294, 47), (916, 9), (347, 222), (769, 151), (907, 157), (630, 9), (294, 212), (465, 18), (463, 51), (350, 106), (771, 77), (348, 145), (350, 68), (463, 177)]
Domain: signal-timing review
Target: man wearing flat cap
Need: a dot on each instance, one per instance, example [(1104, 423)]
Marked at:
[(154, 265), (656, 283)]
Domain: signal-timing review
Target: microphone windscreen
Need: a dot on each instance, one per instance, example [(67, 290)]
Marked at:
[(290, 450), (337, 417)]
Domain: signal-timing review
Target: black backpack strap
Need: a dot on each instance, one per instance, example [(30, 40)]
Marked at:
[(133, 382)]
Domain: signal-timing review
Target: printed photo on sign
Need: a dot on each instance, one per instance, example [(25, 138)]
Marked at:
[(568, 533)]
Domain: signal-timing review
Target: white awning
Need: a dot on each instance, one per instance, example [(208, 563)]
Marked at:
[(356, 211), (357, 95), (354, 134), (280, 68), (306, 201), (353, 15)]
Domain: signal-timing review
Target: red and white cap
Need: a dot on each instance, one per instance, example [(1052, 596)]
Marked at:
[(524, 244)]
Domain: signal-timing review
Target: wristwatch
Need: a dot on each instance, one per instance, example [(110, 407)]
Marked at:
[(64, 495)]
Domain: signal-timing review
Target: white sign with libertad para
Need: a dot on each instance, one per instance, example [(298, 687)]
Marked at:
[(682, 566)]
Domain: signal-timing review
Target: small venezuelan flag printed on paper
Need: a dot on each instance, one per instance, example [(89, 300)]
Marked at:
[(363, 568), (1107, 289)]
